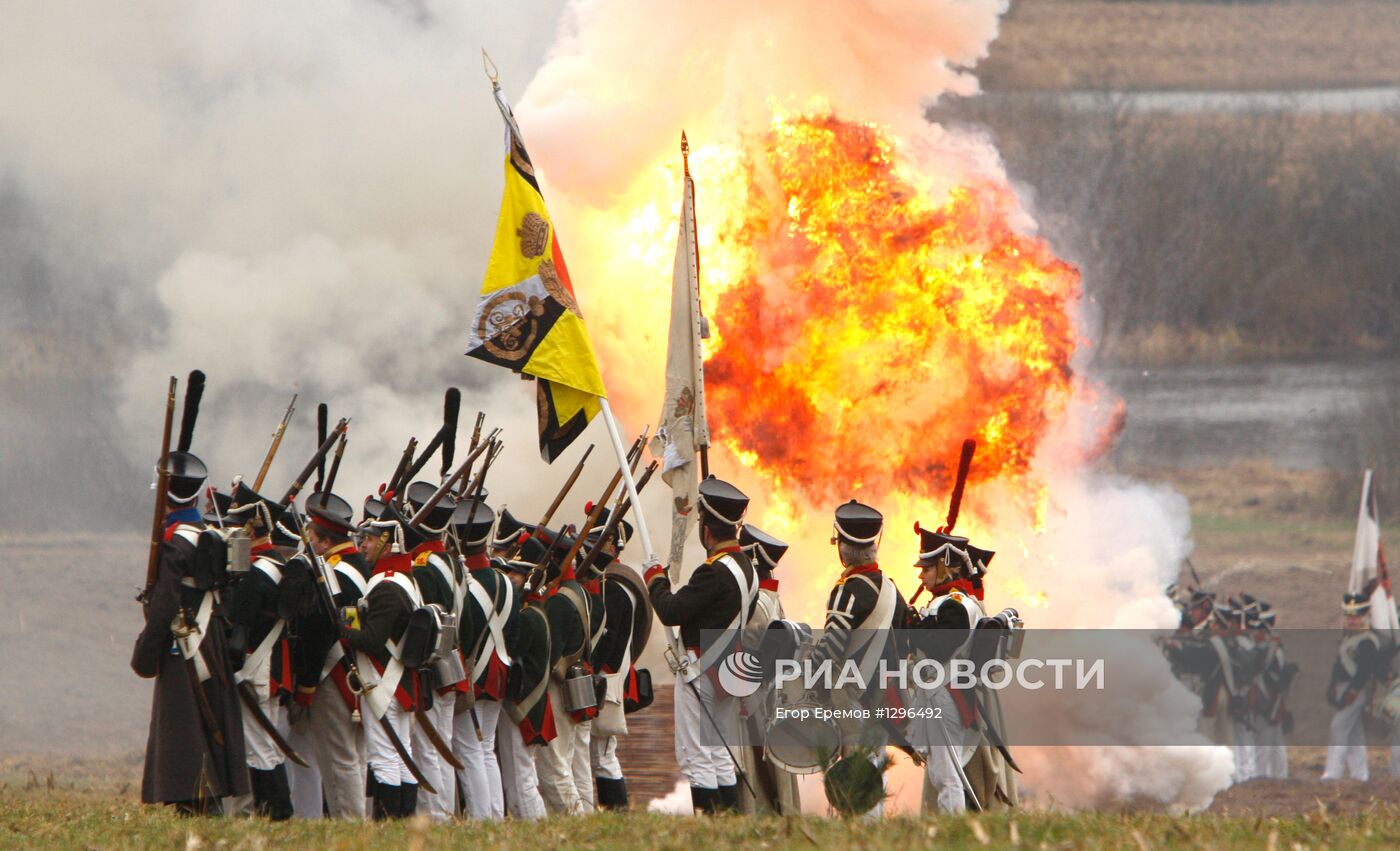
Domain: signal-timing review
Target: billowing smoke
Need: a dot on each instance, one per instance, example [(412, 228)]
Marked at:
[(300, 198), (602, 119)]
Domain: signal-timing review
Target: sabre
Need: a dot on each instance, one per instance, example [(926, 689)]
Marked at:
[(276, 442), (957, 764)]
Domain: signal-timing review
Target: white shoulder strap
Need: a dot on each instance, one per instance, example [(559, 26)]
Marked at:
[(748, 591)]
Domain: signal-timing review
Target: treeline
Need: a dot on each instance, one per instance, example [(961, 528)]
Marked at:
[(1213, 235)]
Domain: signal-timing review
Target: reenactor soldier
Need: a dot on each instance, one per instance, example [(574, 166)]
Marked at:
[(491, 615), (1354, 673), (711, 610), (441, 582), (323, 685), (626, 624), (862, 610), (195, 749), (295, 599), (775, 789), (1268, 696), (529, 715), (565, 775), (387, 703), (507, 534), (256, 610)]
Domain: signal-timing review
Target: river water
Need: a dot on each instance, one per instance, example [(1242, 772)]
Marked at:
[(1293, 413)]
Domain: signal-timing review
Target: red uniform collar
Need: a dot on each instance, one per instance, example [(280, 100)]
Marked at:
[(960, 584), (393, 563), (593, 586), (345, 549), (264, 547), (724, 548), (873, 567), (433, 546), (479, 561)]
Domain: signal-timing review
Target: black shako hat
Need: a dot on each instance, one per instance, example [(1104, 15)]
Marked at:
[(722, 501), (979, 557), (1356, 604), (858, 524), (330, 512), (761, 545), (217, 509), (186, 476), (477, 533), (941, 548), (508, 530), (373, 510), (249, 505), (623, 532), (286, 532), (418, 495)]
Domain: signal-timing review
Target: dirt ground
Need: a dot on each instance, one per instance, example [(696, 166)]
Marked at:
[(1098, 44)]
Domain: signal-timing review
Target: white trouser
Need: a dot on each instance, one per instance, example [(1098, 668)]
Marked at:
[(480, 775), (1244, 750), (941, 738), (1346, 743), (1271, 753), (703, 761), (443, 804), (604, 752), (263, 753), (304, 782), (339, 744), (556, 762), (520, 783), (380, 755)]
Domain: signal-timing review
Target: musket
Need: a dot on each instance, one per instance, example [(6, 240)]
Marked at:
[(451, 482), (322, 414), (276, 442), (162, 484), (310, 467), (597, 507), (1195, 577), (514, 549), (335, 465), (353, 679), (404, 461), (620, 508), (451, 404), (476, 436), (568, 486)]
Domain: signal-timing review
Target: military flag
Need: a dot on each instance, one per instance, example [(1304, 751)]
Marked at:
[(684, 428), (1369, 577), (528, 319)]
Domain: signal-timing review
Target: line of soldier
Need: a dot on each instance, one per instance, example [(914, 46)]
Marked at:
[(1228, 653), (252, 664), (387, 651)]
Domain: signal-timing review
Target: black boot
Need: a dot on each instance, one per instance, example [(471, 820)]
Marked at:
[(279, 794), (408, 800), (729, 798), (386, 801), (704, 801), (612, 794)]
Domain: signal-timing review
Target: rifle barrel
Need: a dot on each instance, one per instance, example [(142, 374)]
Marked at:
[(568, 486), (162, 484), (276, 442), (310, 467)]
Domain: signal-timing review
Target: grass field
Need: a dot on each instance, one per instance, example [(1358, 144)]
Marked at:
[(1147, 44), (63, 818)]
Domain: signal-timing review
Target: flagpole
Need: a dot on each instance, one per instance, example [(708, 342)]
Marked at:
[(638, 514)]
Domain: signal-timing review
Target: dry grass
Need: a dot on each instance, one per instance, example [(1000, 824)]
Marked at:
[(1093, 44)]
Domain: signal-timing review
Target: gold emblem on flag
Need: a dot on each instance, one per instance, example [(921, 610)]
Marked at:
[(534, 235), (556, 289), (509, 325)]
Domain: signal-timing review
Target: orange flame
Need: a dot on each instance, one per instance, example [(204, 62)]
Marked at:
[(865, 329)]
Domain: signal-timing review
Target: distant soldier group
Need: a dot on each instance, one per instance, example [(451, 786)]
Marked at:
[(1229, 653)]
